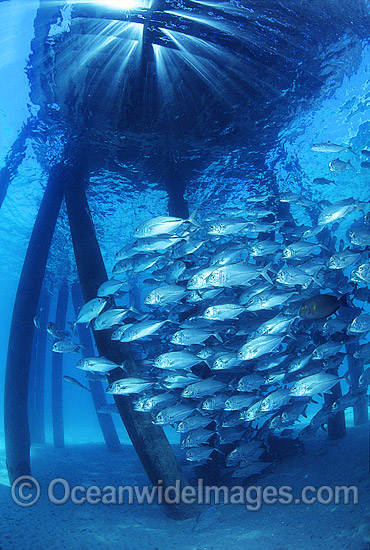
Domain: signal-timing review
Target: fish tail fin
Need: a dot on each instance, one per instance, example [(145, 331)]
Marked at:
[(346, 378), (344, 300), (265, 275), (191, 219), (123, 366), (218, 337), (73, 326), (233, 383), (352, 151), (217, 450)]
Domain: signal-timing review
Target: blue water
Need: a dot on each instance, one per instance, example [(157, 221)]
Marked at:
[(234, 96)]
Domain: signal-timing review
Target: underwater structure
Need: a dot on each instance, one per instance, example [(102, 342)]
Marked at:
[(167, 84)]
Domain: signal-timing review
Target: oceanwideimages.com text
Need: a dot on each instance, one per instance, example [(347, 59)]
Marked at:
[(26, 491)]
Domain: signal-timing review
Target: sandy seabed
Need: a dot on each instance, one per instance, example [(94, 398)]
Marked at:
[(140, 527)]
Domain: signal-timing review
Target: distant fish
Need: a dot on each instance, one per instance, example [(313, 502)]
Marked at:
[(56, 332), (328, 147), (75, 382), (322, 181), (365, 152), (36, 321), (66, 346), (338, 165), (365, 164), (321, 306)]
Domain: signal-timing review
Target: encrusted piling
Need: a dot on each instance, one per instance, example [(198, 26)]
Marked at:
[(36, 398), (17, 434)]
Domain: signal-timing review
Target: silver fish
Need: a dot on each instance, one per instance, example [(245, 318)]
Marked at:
[(199, 454), (359, 325), (206, 387), (326, 350), (189, 336), (343, 259), (328, 147), (90, 310), (98, 364), (250, 382), (176, 360), (227, 226), (338, 165), (238, 402), (300, 249), (361, 273), (109, 288), (109, 318), (214, 403), (259, 346), (360, 237), (263, 248), (315, 383), (274, 400), (66, 346), (142, 329), (147, 404), (239, 274), (165, 295), (196, 437), (173, 414), (127, 386), (225, 361), (253, 413), (268, 300), (161, 225), (335, 212), (222, 312), (193, 422)]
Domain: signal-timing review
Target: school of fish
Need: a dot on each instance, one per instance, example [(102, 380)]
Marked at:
[(246, 319)]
